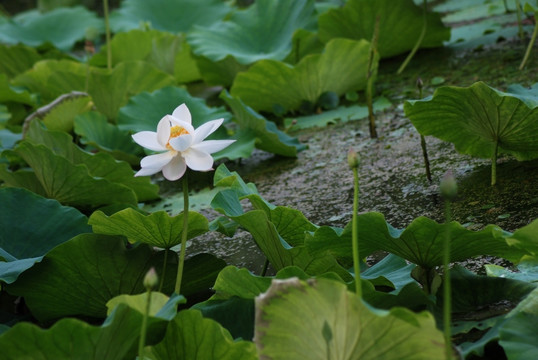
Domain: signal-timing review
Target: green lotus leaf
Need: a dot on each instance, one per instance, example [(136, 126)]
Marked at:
[(159, 304), (527, 270), (81, 275), (320, 319), (117, 338), (110, 90), (266, 134), (62, 116), (62, 27), (26, 235), (421, 242), (144, 110), (157, 229), (525, 238), (400, 25), (262, 31), (8, 93), (471, 291), (269, 83), (168, 52), (52, 78), (518, 336), (171, 16), (98, 165), (8, 138), (221, 73), (279, 232), (16, 59), (479, 121), (94, 130), (64, 181), (201, 339)]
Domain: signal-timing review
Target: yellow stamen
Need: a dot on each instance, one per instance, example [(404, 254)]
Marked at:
[(175, 131)]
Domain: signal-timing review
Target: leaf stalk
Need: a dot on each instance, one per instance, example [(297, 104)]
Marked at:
[(183, 234)]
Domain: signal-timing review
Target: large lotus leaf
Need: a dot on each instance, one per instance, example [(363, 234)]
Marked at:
[(52, 78), (66, 182), (169, 52), (266, 134), (110, 90), (16, 59), (172, 16), (320, 319), (62, 116), (479, 118), (221, 73), (98, 165), (81, 275), (527, 270), (26, 235), (525, 238), (62, 27), (94, 130), (200, 339), (157, 229), (8, 93), (144, 110), (263, 31), (518, 336), (279, 233), (471, 291), (421, 242), (400, 25), (269, 84), (117, 338)]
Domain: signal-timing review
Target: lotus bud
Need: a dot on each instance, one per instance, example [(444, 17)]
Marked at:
[(420, 84), (353, 159), (151, 279), (448, 186)]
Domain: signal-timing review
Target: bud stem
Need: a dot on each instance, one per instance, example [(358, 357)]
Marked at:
[(355, 233)]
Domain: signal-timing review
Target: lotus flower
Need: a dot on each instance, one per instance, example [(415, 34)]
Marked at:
[(184, 145)]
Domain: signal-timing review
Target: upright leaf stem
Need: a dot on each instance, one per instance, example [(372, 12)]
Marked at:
[(370, 78), (447, 292), (418, 43), (107, 30), (183, 234), (494, 164), (531, 43)]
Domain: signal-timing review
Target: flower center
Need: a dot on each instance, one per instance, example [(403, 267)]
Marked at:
[(175, 131)]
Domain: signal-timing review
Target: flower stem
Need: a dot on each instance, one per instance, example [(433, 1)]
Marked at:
[(107, 29), (355, 233), (494, 164), (370, 78), (183, 234), (447, 295), (163, 273), (143, 329), (519, 23)]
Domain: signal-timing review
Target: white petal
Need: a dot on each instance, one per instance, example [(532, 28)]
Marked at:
[(181, 143), (175, 169), (206, 129), (163, 131), (198, 160), (148, 139), (157, 161), (182, 113), (147, 172), (212, 146)]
